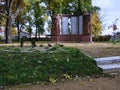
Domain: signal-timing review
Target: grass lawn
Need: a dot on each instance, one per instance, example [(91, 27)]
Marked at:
[(43, 64), (102, 49)]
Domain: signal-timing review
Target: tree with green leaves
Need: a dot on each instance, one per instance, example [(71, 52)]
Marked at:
[(20, 21), (10, 11), (28, 19), (70, 6), (38, 12), (34, 18)]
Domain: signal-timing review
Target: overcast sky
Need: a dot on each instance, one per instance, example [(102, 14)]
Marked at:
[(111, 10)]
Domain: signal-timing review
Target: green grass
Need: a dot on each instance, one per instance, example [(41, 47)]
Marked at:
[(55, 64)]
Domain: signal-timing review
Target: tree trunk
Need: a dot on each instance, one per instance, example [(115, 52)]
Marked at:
[(30, 34), (10, 16), (8, 30), (36, 33), (18, 28)]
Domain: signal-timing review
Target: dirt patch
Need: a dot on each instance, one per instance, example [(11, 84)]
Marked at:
[(102, 83)]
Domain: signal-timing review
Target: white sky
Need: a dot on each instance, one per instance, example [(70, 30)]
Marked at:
[(111, 10)]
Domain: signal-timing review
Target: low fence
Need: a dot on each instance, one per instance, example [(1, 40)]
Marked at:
[(33, 41)]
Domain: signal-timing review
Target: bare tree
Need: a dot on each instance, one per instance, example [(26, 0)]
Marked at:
[(114, 26)]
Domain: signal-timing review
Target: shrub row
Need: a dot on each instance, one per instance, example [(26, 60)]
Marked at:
[(102, 38)]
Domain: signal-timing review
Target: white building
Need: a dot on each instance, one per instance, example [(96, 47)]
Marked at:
[(2, 33), (23, 34)]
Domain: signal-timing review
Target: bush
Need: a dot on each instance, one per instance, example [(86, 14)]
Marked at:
[(1, 37), (102, 38)]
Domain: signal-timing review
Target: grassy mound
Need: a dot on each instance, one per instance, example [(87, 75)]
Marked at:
[(54, 64)]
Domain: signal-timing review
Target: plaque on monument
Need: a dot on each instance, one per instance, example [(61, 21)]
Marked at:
[(64, 27), (73, 25)]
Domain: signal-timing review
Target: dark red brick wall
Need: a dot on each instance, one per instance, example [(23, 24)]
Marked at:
[(87, 24), (73, 38), (55, 26)]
